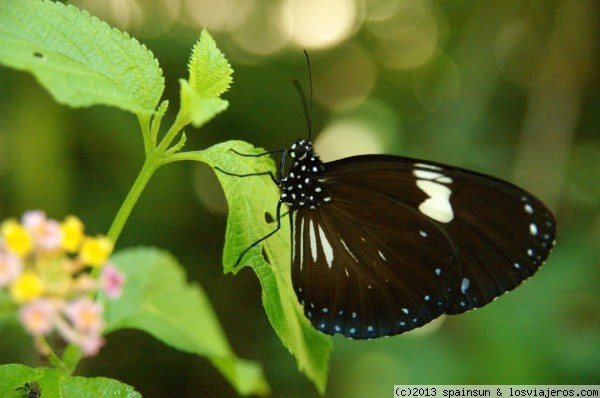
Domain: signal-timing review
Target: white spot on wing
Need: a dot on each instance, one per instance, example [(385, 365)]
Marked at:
[(533, 229), (381, 255), (464, 285)]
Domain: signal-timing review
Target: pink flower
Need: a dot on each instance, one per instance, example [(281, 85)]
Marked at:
[(112, 281), (10, 268), (85, 315), (46, 233), (38, 316), (90, 344)]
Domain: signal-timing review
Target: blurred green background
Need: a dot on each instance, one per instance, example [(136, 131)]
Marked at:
[(506, 88)]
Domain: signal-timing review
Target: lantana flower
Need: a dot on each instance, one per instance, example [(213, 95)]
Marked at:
[(46, 234), (112, 281), (38, 316), (16, 238), (10, 268), (46, 267)]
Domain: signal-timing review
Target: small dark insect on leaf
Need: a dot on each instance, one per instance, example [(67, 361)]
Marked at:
[(32, 389), (38, 55), (269, 217)]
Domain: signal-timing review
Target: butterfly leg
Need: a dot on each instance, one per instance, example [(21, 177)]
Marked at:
[(257, 155), (262, 173), (267, 236), (276, 180)]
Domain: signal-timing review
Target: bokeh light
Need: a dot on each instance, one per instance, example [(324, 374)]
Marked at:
[(344, 79), (219, 16), (518, 52), (316, 24), (407, 32), (368, 129), (263, 33)]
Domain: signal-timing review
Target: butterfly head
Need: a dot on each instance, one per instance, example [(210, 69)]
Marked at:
[(300, 150)]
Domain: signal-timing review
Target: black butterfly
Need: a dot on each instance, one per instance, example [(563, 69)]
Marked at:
[(384, 244)]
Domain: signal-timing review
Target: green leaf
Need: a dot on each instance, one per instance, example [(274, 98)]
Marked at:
[(53, 384), (199, 110), (249, 200), (96, 387), (210, 73), (210, 76), (78, 58), (158, 300)]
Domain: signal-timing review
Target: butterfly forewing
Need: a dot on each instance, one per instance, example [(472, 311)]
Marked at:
[(402, 241)]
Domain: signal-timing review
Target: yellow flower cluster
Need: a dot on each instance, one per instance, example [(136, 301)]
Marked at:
[(45, 264), (37, 243)]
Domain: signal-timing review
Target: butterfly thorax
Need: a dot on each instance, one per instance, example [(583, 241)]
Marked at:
[(303, 187)]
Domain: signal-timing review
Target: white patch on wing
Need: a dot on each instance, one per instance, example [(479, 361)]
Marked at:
[(327, 249), (434, 183), (293, 224), (313, 241), (432, 176), (437, 206), (427, 166), (301, 248)]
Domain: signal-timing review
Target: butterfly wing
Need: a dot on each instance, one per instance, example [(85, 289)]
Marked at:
[(403, 241)]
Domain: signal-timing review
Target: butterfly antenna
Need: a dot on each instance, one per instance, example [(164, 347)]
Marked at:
[(308, 105)]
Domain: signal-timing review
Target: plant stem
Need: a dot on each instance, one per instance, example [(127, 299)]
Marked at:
[(154, 159), (150, 165)]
